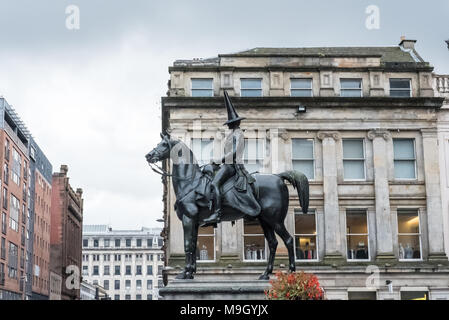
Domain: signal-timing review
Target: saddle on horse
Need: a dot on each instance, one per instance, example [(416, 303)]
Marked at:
[(237, 193)]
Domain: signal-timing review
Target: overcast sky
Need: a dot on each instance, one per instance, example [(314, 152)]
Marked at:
[(91, 97)]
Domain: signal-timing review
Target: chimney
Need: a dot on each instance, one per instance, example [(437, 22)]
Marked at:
[(79, 192), (407, 44), (64, 169)]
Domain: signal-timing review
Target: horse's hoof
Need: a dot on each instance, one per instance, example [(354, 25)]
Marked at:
[(264, 277), (189, 276)]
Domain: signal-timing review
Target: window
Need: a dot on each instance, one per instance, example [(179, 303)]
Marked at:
[(149, 270), (117, 257), (409, 235), (149, 297), (149, 242), (106, 270), (116, 270), (117, 285), (106, 243), (85, 271), (96, 243), (128, 270), (5, 198), (305, 235), (149, 257), (116, 296), (16, 166), (14, 213), (95, 271), (303, 157), (357, 235), (353, 159), (106, 284), (3, 249), (12, 260), (159, 269), (414, 295), (202, 87), (203, 149), (404, 158), (4, 228), (127, 297), (400, 88), (106, 257), (150, 284), (350, 87), (138, 297), (139, 284), (301, 87), (253, 155), (127, 284), (139, 242), (251, 87), (253, 241), (138, 270), (7, 150), (117, 243), (206, 244), (5, 173), (128, 243)]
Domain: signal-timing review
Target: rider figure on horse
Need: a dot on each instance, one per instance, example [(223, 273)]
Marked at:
[(232, 167)]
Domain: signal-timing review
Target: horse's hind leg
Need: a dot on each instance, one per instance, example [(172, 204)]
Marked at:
[(288, 240), (272, 245)]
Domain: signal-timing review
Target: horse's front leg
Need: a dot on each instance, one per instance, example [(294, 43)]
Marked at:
[(189, 247)]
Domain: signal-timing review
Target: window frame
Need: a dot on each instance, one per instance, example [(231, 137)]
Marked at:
[(357, 234), (344, 89), (354, 159), (200, 161), (418, 214), (257, 159), (215, 244), (299, 212), (253, 235), (305, 159), (414, 161), (409, 83), (201, 89), (251, 89), (301, 89)]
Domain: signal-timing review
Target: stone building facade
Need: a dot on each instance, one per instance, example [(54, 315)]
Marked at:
[(66, 234), (126, 263), (362, 123)]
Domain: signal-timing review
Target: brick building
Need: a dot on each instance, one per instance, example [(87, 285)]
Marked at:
[(66, 233), (14, 183)]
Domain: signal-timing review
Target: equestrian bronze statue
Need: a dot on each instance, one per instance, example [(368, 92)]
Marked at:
[(227, 192)]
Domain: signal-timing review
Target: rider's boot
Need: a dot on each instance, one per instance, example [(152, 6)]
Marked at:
[(213, 219)]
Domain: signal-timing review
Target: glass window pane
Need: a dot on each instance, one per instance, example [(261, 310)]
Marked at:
[(306, 167), (301, 83), (409, 247), (400, 93), (250, 93), (408, 222), (353, 149), (305, 223), (205, 248), (351, 93), (301, 93), (357, 247), (202, 83), (413, 295), (354, 169), (202, 93), (351, 83), (254, 247), (356, 222), (399, 83), (251, 83), (252, 227), (253, 149), (203, 150), (305, 247), (362, 295), (404, 169), (302, 149), (404, 149)]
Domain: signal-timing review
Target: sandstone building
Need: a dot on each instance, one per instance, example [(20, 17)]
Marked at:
[(365, 124)]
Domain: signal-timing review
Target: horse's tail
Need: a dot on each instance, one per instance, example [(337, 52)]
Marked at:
[(301, 184)]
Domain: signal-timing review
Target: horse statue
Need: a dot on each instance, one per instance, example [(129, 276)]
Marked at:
[(272, 196)]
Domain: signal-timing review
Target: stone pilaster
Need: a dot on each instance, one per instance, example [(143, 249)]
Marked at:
[(433, 194), (333, 245), (384, 235)]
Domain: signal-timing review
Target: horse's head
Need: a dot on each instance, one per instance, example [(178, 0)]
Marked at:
[(162, 150)]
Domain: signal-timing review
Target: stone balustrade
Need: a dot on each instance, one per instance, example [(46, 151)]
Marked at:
[(442, 85)]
